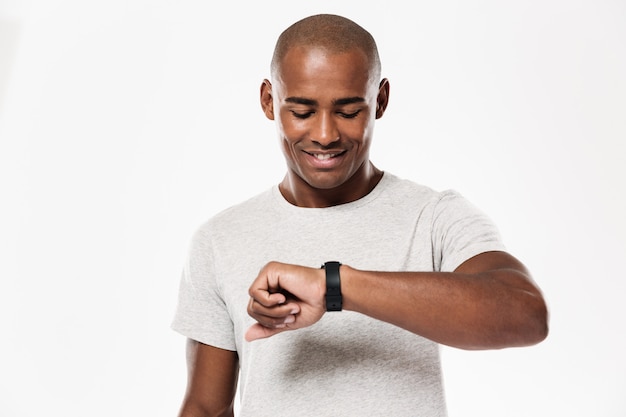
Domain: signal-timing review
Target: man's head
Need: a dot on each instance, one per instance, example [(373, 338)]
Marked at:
[(332, 33), (325, 95)]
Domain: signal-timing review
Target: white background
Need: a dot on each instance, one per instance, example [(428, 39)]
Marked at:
[(126, 123)]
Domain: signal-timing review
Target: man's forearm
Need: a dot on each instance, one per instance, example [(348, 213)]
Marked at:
[(470, 310)]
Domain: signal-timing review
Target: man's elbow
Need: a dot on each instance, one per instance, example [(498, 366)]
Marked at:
[(526, 326), (536, 323), (542, 319)]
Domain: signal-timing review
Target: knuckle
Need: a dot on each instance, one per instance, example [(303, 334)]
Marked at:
[(270, 265)]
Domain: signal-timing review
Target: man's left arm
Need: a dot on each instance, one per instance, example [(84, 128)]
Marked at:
[(490, 301)]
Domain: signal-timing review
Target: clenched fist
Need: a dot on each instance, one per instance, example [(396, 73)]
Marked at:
[(285, 297)]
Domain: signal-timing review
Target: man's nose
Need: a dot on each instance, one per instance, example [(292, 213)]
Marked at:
[(325, 131)]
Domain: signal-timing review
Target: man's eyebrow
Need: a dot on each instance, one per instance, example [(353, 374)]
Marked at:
[(301, 100), (337, 102), (348, 100)]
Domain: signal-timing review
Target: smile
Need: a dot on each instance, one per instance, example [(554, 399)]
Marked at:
[(325, 156)]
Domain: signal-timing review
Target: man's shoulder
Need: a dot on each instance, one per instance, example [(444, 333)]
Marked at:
[(240, 213), (408, 188), (263, 199), (413, 197)]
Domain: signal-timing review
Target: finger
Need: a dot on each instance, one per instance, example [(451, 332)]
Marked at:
[(266, 298), (257, 331), (274, 316), (275, 322), (276, 310)]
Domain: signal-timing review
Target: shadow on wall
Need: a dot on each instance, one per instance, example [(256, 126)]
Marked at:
[(9, 35)]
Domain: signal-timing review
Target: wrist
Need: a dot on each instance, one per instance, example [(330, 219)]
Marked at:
[(333, 297)]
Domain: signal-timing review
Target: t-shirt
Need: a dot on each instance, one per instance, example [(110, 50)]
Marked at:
[(347, 364)]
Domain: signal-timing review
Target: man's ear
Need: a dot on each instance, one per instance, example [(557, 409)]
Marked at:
[(383, 98), (267, 100)]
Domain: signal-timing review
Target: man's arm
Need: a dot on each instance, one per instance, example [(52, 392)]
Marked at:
[(211, 381), (489, 302)]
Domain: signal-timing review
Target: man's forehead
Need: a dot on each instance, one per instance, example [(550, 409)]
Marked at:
[(323, 53), (306, 59)]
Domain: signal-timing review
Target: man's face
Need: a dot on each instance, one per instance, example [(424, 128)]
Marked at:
[(324, 106)]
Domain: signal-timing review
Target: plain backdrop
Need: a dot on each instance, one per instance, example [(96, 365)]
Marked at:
[(124, 124)]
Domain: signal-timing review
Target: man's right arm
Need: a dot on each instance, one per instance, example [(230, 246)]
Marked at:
[(211, 381)]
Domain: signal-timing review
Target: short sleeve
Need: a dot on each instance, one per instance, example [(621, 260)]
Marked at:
[(201, 312), (461, 231)]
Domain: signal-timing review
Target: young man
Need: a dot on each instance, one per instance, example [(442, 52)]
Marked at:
[(406, 268)]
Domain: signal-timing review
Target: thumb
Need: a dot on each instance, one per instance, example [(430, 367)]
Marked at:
[(258, 331)]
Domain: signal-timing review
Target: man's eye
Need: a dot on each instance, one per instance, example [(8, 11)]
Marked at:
[(349, 115), (305, 115)]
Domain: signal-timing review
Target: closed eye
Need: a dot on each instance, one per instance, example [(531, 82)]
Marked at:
[(302, 115), (349, 115)]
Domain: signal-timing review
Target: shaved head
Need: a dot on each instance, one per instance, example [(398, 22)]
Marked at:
[(330, 33)]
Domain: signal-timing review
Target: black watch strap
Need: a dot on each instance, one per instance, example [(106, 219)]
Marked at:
[(333, 286)]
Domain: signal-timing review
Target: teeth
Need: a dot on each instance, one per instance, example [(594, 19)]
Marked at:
[(323, 157)]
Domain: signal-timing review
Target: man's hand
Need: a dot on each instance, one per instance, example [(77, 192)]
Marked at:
[(285, 297)]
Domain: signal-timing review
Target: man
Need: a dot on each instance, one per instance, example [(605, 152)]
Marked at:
[(406, 268)]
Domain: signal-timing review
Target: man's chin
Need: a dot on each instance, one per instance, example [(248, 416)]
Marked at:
[(325, 184)]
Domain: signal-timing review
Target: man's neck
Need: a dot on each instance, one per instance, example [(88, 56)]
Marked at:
[(299, 193)]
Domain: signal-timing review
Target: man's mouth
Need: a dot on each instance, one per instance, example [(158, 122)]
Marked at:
[(325, 156)]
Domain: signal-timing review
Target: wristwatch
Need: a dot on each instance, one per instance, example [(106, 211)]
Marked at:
[(333, 286)]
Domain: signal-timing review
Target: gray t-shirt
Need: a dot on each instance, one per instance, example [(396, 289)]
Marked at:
[(347, 364)]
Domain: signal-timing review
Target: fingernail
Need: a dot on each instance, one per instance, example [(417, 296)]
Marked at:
[(289, 319)]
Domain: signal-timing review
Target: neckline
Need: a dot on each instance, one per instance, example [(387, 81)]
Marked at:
[(366, 199)]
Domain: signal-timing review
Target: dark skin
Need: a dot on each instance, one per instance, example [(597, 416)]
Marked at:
[(488, 302), (325, 106), (211, 381)]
